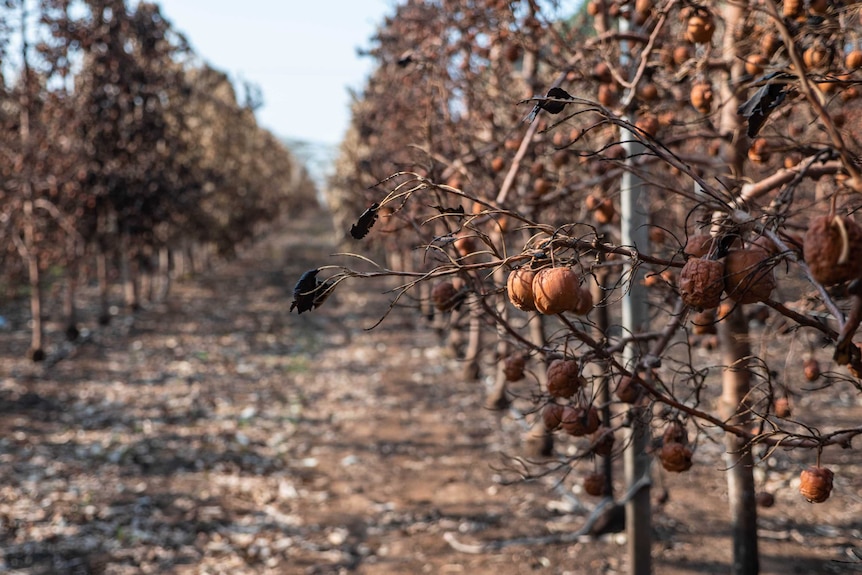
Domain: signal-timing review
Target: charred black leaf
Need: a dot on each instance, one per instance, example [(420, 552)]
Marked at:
[(305, 291), (361, 228), (551, 105), (323, 291), (445, 210), (757, 108), (724, 245), (310, 293)]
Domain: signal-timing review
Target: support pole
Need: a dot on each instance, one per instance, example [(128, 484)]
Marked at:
[(634, 212)]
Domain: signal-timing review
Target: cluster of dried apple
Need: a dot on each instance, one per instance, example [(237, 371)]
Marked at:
[(744, 274), (564, 381), (549, 291)]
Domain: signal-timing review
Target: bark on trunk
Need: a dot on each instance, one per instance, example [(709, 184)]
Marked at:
[(164, 274), (37, 334), (31, 253), (634, 209), (733, 333), (146, 284), (474, 341), (70, 310), (603, 395), (104, 285), (128, 274)]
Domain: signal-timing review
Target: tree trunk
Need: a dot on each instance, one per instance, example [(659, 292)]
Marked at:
[(128, 273), (634, 219), (164, 274), (178, 269), (104, 285), (146, 283), (37, 334), (601, 319), (541, 438), (474, 340), (733, 334), (733, 331), (70, 310), (426, 305), (31, 253)]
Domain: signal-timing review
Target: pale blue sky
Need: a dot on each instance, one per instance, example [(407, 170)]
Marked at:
[(301, 54)]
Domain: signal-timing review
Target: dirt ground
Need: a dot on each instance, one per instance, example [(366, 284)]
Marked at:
[(218, 433)]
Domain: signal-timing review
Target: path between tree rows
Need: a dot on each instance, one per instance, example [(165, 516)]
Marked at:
[(217, 433)]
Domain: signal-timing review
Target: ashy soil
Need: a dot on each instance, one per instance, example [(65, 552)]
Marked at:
[(218, 433)]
